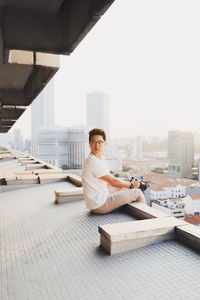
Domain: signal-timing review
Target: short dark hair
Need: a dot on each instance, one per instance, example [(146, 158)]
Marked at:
[(97, 131)]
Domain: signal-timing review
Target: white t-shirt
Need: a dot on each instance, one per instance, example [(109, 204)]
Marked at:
[(95, 190)]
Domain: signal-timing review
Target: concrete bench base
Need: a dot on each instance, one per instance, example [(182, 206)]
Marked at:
[(143, 211), (121, 237), (34, 166), (22, 179), (2, 181), (189, 235), (70, 195), (27, 162), (75, 179), (120, 247), (47, 171), (50, 178), (24, 172)]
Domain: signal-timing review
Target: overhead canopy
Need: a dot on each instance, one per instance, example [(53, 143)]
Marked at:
[(32, 34)]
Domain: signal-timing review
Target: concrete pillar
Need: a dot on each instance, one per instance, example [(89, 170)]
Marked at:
[(1, 39)]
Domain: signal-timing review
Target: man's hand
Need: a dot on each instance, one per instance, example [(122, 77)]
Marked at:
[(135, 183)]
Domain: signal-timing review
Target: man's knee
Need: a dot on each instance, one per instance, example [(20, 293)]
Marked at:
[(140, 196)]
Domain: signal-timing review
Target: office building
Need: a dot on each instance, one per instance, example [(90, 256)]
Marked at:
[(180, 153), (52, 146), (18, 140), (98, 110), (4, 139), (42, 115), (136, 147), (98, 116), (78, 148), (63, 147)]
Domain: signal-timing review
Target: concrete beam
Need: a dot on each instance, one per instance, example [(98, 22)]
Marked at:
[(4, 128), (50, 178), (47, 171), (53, 33), (25, 74), (21, 57), (45, 6), (28, 30), (6, 122), (50, 27), (70, 195), (75, 179), (143, 211), (122, 237), (33, 70), (10, 114), (189, 235), (89, 18), (1, 39), (31, 58), (22, 179)]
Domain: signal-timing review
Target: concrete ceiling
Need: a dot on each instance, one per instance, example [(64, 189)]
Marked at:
[(32, 35)]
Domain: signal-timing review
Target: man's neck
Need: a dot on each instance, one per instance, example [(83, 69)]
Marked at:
[(98, 155)]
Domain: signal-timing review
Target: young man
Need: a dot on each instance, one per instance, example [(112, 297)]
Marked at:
[(98, 183)]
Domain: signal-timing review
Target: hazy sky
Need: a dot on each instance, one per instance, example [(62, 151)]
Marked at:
[(146, 56)]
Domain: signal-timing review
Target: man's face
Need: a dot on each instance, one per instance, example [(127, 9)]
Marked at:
[(97, 144)]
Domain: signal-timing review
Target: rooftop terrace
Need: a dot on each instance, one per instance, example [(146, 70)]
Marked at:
[(51, 251)]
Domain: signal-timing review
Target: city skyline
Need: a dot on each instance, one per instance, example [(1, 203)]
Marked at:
[(149, 69)]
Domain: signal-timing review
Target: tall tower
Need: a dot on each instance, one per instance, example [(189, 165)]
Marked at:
[(180, 153), (98, 111), (136, 147), (77, 147), (42, 114), (17, 140)]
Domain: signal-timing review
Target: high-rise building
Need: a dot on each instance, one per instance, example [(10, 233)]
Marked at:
[(17, 140), (78, 147), (98, 116), (63, 147), (136, 147), (4, 139), (52, 146), (180, 153), (27, 146), (42, 114), (98, 110)]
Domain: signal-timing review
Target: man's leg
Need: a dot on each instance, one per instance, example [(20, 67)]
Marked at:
[(120, 198)]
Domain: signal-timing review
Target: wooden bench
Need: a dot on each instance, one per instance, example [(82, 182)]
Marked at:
[(122, 237), (70, 195)]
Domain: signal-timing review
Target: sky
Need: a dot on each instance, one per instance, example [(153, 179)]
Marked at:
[(146, 56)]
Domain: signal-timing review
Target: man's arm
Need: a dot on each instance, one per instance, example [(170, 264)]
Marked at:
[(110, 179)]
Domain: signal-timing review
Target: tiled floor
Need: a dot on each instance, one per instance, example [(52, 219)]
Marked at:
[(52, 251)]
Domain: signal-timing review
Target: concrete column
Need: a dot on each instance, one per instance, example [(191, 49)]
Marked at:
[(1, 38)]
